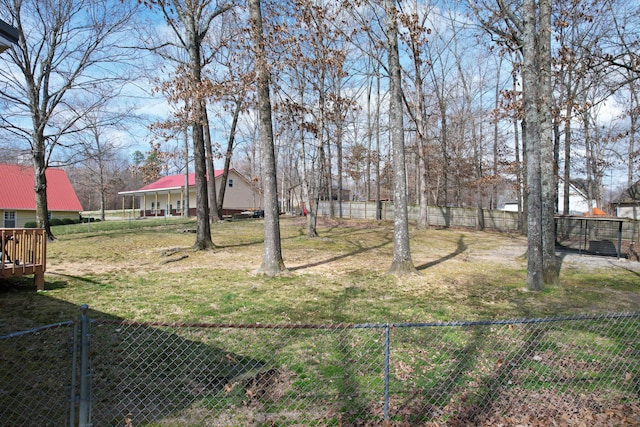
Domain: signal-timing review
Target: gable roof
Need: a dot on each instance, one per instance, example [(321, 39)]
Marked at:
[(629, 196), (579, 186), (175, 182), (17, 189)]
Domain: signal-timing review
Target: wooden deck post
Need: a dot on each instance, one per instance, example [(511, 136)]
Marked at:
[(38, 278)]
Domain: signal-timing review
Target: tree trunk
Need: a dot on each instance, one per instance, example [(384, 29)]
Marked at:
[(203, 226), (588, 160), (548, 188), (272, 263), (310, 178), (103, 191), (214, 213), (634, 112), (40, 180), (185, 202), (421, 126), (423, 218), (228, 154), (378, 184), (315, 186), (402, 263), (496, 139), (566, 176), (367, 173), (534, 200), (339, 139), (519, 178)]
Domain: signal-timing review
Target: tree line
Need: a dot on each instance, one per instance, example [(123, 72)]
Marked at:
[(445, 103)]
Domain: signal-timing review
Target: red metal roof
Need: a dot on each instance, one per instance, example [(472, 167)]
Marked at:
[(17, 189), (174, 181)]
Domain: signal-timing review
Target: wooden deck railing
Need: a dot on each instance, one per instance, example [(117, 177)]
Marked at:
[(23, 251)]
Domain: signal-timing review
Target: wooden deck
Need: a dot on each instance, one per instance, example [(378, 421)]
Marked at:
[(23, 252)]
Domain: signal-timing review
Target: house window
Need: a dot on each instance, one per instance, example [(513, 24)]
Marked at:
[(10, 219), (230, 183), (178, 205)]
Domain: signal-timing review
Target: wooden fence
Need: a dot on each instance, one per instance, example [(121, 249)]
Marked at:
[(568, 228), (438, 216)]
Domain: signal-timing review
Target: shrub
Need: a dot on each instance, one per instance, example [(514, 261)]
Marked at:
[(69, 221), (55, 221), (30, 224)]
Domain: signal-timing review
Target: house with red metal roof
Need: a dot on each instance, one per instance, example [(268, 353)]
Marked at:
[(18, 198), (167, 196)]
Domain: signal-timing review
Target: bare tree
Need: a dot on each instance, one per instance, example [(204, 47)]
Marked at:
[(621, 51), (272, 263), (526, 27), (633, 111), (402, 263), (99, 150), (416, 39), (65, 47), (190, 21), (548, 170)]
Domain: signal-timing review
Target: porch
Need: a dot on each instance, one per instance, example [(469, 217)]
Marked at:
[(23, 251)]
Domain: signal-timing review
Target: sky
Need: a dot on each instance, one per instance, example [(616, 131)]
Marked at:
[(151, 107)]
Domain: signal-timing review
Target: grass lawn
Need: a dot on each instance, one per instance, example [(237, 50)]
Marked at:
[(146, 271), (169, 376)]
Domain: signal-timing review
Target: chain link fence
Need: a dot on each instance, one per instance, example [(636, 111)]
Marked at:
[(35, 374), (566, 371)]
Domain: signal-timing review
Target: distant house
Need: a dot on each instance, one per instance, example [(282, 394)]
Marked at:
[(166, 196), (627, 205), (18, 199), (578, 200), (8, 36)]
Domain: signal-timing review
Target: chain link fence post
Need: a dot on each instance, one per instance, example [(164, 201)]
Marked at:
[(387, 352), (84, 417), (73, 398)]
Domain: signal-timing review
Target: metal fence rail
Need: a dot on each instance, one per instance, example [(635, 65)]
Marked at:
[(567, 370)]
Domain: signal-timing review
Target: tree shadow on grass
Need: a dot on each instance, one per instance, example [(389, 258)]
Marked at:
[(360, 250), (149, 372), (259, 241), (460, 248), (632, 271), (470, 379), (358, 389)]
